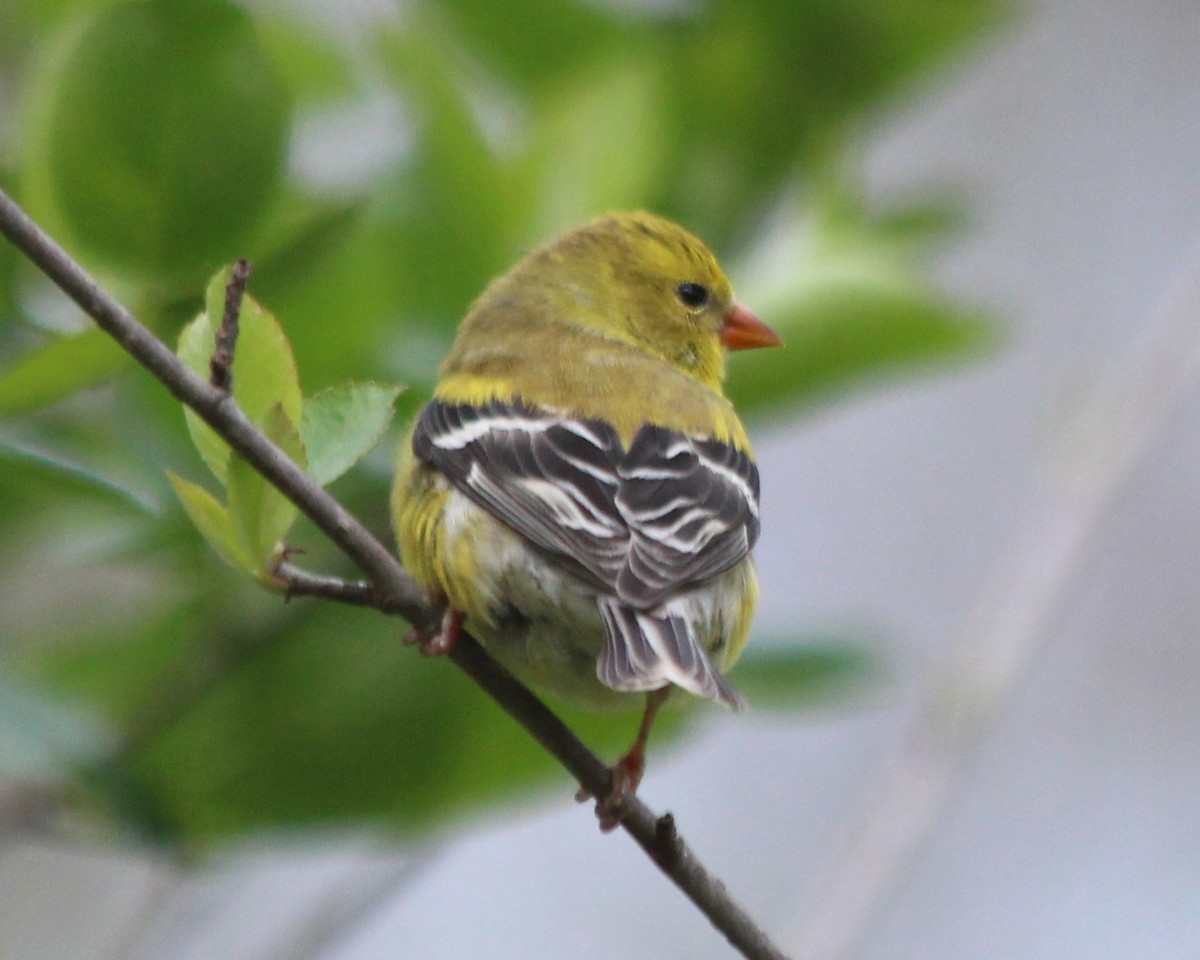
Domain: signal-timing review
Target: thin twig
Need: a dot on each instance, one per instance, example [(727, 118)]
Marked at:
[(1100, 447), (298, 582), (397, 590), (221, 364)]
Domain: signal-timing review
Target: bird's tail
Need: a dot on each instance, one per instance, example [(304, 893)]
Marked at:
[(644, 652)]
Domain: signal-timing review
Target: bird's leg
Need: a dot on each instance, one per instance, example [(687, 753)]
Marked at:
[(627, 773), (439, 642)]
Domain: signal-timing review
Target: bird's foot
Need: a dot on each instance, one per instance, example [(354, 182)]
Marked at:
[(439, 642), (626, 777), (627, 773)]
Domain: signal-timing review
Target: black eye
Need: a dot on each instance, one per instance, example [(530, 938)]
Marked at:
[(692, 295)]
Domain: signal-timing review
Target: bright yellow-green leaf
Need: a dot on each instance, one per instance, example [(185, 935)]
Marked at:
[(258, 513), (212, 520), (264, 369), (342, 424), (196, 344)]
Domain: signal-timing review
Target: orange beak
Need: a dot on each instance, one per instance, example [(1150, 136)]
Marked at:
[(743, 330)]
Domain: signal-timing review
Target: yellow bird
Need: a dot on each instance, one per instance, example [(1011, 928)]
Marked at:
[(579, 491)]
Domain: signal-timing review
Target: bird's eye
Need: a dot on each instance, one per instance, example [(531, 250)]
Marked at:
[(692, 295)]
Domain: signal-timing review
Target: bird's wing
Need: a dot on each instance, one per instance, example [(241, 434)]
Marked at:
[(691, 507), (640, 525), (550, 478)]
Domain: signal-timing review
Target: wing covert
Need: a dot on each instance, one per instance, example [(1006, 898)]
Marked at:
[(553, 480), (644, 523), (691, 506)]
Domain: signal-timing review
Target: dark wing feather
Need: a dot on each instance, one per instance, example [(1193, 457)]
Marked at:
[(691, 507), (552, 480)]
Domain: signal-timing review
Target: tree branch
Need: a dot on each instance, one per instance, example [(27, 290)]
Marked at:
[(298, 582), (396, 590)]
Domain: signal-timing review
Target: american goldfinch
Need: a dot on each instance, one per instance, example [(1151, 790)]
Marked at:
[(579, 491)]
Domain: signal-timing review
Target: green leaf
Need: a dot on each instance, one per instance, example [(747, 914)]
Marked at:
[(346, 266), (313, 63), (75, 472), (259, 514), (214, 524), (59, 369), (455, 209), (43, 738), (299, 732), (783, 87), (535, 42), (787, 675), (308, 239), (264, 369), (121, 669), (290, 729), (341, 425), (157, 134)]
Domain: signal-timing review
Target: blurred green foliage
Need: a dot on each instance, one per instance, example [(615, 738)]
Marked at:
[(173, 114), (378, 174)]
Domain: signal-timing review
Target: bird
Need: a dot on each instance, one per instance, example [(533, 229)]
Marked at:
[(579, 493)]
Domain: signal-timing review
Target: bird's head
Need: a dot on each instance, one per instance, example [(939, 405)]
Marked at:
[(646, 280)]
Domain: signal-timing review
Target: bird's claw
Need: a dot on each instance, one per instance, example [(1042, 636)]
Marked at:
[(612, 807), (439, 642)]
